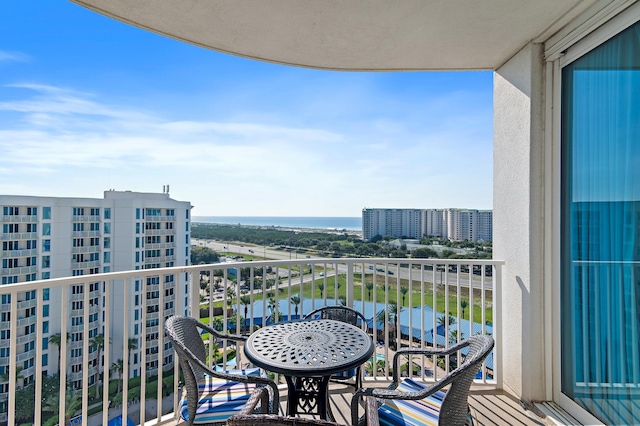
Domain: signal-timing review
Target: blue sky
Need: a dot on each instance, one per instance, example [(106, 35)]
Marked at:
[(88, 104)]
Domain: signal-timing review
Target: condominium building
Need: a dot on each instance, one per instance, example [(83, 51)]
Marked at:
[(454, 224), (48, 237)]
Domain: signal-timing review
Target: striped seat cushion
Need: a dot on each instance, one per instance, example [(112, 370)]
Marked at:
[(220, 399), (421, 412)]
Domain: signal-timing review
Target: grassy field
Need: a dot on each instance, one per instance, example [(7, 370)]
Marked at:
[(394, 296)]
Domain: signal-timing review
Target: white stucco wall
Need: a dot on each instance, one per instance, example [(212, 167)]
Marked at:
[(518, 217)]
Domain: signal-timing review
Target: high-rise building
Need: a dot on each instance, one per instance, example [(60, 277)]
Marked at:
[(454, 224), (48, 237)]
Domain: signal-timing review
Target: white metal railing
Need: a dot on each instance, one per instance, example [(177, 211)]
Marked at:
[(258, 293), (20, 218)]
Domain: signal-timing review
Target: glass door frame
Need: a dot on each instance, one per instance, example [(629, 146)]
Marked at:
[(553, 202)]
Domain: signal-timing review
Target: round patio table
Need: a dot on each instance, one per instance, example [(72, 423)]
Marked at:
[(307, 353)]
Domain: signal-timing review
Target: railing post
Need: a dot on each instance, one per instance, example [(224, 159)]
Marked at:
[(497, 324), (350, 289)]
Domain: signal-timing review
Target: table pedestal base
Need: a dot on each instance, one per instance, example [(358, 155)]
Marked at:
[(308, 395)]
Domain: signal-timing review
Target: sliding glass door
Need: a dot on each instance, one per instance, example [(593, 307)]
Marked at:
[(600, 282)]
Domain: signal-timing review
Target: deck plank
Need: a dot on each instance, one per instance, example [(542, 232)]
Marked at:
[(488, 407)]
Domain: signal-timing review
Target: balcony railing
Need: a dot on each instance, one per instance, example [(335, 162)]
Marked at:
[(421, 302), (20, 218)]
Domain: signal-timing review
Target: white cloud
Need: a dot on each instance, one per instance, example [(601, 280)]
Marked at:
[(69, 143), (13, 57)]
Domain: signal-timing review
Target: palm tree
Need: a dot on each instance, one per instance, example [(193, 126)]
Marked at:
[(132, 345), (442, 321), (463, 305), (296, 301), (217, 324), (404, 291), (245, 301), (56, 339), (321, 288), (394, 317), (98, 344), (73, 402), (231, 293), (5, 376), (369, 286), (118, 367)]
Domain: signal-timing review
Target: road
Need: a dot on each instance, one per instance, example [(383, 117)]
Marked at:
[(269, 253)]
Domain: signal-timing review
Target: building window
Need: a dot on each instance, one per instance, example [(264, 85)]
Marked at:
[(138, 214), (46, 261), (46, 212), (107, 228), (600, 212), (107, 257), (107, 213)]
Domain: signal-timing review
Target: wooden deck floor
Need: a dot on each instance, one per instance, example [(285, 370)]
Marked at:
[(488, 407)]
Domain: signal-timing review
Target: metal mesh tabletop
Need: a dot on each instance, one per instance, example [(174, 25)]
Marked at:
[(309, 348)]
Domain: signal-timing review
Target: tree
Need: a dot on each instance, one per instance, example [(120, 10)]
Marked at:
[(231, 293), (98, 344), (369, 286), (118, 367), (321, 288), (442, 321), (404, 290), (296, 301), (72, 403), (5, 376), (217, 323), (203, 255), (56, 339), (245, 301), (132, 345), (463, 304), (424, 253)]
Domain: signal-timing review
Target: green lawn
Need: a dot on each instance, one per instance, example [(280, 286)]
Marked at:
[(381, 288)]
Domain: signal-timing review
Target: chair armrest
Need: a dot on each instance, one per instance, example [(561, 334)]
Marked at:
[(424, 352), (223, 336), (234, 377), (260, 395)]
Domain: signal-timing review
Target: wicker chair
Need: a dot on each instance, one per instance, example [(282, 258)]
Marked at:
[(247, 416), (350, 316), (213, 396), (411, 403)]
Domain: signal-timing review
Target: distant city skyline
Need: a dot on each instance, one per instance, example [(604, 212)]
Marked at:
[(89, 104)]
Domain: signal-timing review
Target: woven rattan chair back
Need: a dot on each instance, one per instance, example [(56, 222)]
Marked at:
[(455, 405)]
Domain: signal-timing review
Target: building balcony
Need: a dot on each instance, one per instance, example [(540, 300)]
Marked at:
[(19, 270), (86, 218), (86, 249), (20, 253), (20, 219), (372, 286), (152, 246), (85, 234), (85, 265), (19, 236), (160, 232)]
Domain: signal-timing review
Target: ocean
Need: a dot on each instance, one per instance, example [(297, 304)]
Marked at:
[(348, 223)]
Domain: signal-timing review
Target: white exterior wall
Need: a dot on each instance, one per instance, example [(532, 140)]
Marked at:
[(518, 214)]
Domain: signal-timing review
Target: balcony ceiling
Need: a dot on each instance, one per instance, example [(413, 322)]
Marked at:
[(353, 34)]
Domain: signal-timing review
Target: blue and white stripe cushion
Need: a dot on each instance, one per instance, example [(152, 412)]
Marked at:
[(220, 399), (421, 412)]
